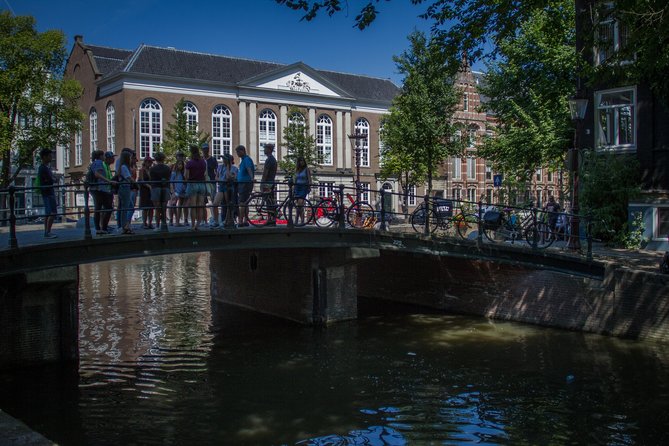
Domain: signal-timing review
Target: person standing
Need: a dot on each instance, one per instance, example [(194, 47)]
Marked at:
[(159, 175), (145, 202), (267, 183), (244, 184), (227, 174), (212, 166), (124, 192), (196, 169), (46, 181), (302, 186), (178, 187), (553, 209), (100, 188)]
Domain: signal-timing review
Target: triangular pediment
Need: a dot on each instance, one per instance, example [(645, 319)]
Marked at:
[(296, 78)]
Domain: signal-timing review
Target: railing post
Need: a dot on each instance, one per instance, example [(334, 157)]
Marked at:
[(479, 223), (13, 242), (87, 214), (588, 229), (340, 211), (163, 206), (383, 209), (426, 203), (229, 205), (291, 222), (535, 233)]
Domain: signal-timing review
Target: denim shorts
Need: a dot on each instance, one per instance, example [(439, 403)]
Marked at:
[(50, 207), (244, 191), (193, 189)]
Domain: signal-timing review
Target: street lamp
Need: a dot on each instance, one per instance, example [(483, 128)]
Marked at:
[(577, 108), (356, 138)]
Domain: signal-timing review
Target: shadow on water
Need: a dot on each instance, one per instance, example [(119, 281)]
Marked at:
[(163, 364)]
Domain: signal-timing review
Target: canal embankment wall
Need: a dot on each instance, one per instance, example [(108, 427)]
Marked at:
[(626, 302)]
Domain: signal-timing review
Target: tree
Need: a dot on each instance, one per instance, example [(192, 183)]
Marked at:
[(179, 134), (400, 163), (528, 89), (38, 108), (298, 142), (419, 130)]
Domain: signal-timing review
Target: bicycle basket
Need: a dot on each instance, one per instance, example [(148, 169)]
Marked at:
[(443, 208), (492, 219)]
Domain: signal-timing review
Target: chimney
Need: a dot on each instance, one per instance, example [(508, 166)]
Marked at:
[(79, 39)]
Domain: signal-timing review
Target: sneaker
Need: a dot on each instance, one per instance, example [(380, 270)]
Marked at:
[(50, 235), (101, 232), (214, 225)]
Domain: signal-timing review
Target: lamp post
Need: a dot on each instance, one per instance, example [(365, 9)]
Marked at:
[(577, 108), (356, 138)]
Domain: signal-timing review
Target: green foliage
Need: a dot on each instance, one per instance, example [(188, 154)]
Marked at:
[(418, 132), (38, 108), (607, 183), (299, 143), (179, 136), (631, 235), (528, 89)]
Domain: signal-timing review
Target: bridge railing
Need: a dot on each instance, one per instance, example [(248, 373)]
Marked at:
[(335, 206)]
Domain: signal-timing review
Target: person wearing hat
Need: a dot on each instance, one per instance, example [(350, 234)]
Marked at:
[(103, 198), (145, 202), (226, 176), (46, 181), (212, 166)]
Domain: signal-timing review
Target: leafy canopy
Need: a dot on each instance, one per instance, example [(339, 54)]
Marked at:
[(38, 108), (298, 142), (179, 134)]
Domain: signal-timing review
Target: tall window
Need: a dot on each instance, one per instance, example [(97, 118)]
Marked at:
[(78, 149), (266, 131), (539, 174), (412, 195), (364, 194), (488, 171), (471, 135), (381, 145), (471, 195), (326, 189), (150, 127), (610, 35), (457, 168), (549, 176), (362, 127), (111, 127), (489, 195), (221, 131), (324, 139), (465, 101), (615, 118), (191, 115), (93, 122), (471, 168), (456, 192), (66, 156), (297, 119)]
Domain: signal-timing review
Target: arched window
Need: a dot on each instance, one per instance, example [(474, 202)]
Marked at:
[(296, 118), (362, 127), (266, 131), (471, 133), (324, 139), (191, 115), (471, 195), (111, 127), (93, 121), (150, 127), (221, 131)]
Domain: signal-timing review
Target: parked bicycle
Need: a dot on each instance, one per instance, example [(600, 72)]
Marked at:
[(359, 214), (507, 225), (442, 220), (262, 206)]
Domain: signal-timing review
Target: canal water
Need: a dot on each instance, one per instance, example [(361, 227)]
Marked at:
[(161, 364)]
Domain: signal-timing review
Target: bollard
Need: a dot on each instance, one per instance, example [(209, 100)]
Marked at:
[(291, 222), (87, 214), (383, 209), (13, 242), (229, 210), (479, 223), (163, 207), (426, 203), (340, 211)]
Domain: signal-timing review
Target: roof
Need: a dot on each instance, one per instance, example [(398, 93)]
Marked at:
[(170, 62)]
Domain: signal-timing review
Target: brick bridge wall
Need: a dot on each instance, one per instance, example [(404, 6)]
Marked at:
[(626, 303)]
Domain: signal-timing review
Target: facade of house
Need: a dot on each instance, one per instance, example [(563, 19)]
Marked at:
[(625, 118)]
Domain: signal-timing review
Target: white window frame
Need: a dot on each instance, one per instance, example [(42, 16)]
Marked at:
[(324, 140), (471, 135), (457, 168), (488, 172), (539, 173), (266, 132), (192, 115), (362, 127), (471, 168), (413, 198), (93, 129), (471, 194), (66, 157), (111, 127), (150, 126), (78, 149), (326, 189), (613, 112), (465, 101), (457, 193), (221, 131), (618, 35), (549, 176), (364, 192)]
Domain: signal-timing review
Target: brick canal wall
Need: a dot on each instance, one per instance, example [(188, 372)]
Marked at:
[(627, 303)]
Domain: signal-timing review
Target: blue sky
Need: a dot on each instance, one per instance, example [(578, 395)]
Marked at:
[(253, 29)]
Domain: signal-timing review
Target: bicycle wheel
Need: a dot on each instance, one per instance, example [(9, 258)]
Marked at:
[(326, 213), (498, 233), (418, 220), (465, 225), (544, 235), (258, 211), (301, 211), (359, 214)]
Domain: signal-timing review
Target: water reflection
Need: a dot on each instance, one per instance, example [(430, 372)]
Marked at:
[(162, 364)]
